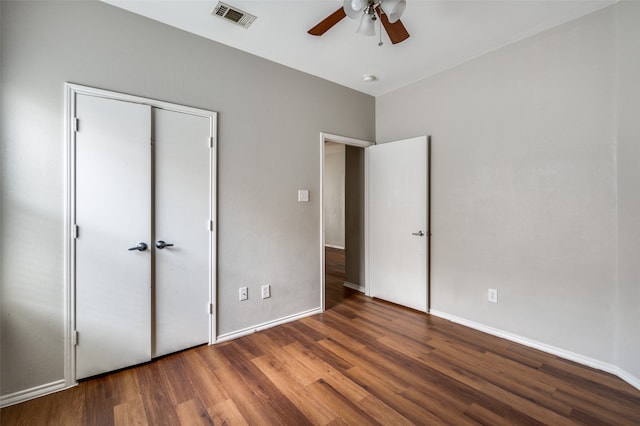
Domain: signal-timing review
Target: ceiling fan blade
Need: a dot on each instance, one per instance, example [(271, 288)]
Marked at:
[(326, 24), (396, 31)]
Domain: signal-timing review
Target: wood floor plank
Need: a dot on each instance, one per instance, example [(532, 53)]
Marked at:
[(407, 346), (98, 409), (534, 410), (201, 374), (520, 386), (296, 391), (441, 408), (256, 394), (382, 412), (130, 413), (339, 404), (192, 413), (379, 386), (296, 367), (483, 416), (180, 387), (154, 390), (226, 413), (329, 374), (243, 399), (583, 393), (335, 334), (126, 386), (598, 408)]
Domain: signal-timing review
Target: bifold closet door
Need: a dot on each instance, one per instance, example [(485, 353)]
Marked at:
[(182, 162), (112, 212)]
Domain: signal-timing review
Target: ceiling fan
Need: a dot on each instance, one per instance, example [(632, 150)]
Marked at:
[(389, 12)]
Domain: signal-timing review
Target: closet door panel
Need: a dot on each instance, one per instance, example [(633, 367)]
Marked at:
[(112, 212), (182, 213)]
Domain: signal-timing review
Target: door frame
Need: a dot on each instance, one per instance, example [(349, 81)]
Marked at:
[(328, 137), (70, 126)]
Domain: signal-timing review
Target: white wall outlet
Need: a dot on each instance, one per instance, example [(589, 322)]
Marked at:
[(303, 195), (266, 291), (244, 293), (493, 295)]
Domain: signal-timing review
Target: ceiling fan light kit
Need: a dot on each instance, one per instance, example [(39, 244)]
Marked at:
[(393, 9), (352, 8), (367, 25), (368, 11)]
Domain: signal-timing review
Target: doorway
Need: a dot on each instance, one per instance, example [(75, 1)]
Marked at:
[(343, 218), (395, 191)]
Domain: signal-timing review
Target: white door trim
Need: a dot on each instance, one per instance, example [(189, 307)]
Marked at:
[(71, 90), (328, 137)]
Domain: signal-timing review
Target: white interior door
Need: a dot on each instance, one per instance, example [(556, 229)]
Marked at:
[(112, 213), (182, 212), (398, 222)]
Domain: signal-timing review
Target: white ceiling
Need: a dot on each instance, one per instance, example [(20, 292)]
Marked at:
[(444, 33)]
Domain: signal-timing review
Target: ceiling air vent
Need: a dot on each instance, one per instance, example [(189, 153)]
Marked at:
[(234, 15)]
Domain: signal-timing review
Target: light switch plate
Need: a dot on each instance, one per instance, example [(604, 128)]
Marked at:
[(303, 195)]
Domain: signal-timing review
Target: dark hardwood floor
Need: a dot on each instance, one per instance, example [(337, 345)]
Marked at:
[(361, 362), (334, 277)]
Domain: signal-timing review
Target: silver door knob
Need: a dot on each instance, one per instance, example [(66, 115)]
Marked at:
[(418, 234), (161, 244), (139, 247)]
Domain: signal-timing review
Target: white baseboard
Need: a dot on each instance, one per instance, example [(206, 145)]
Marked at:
[(34, 392), (353, 286), (334, 246), (632, 380), (553, 350), (245, 331)]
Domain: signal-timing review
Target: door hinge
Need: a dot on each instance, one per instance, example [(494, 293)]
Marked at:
[(75, 231), (75, 337), (76, 124), (210, 141), (210, 308), (210, 225)]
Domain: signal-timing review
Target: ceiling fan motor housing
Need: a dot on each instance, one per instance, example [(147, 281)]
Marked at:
[(392, 8)]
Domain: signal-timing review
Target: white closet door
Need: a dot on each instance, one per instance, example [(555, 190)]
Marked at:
[(113, 204), (182, 213), (398, 222)]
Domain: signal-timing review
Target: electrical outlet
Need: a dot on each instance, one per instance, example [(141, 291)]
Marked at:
[(244, 293), (266, 291), (493, 295)]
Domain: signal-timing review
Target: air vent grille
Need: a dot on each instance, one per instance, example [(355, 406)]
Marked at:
[(233, 15)]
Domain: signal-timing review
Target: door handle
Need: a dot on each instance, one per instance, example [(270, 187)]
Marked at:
[(161, 244), (418, 234), (139, 247)]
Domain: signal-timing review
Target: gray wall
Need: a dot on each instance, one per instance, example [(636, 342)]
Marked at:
[(354, 212), (524, 185), (264, 234), (333, 194), (628, 295)]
